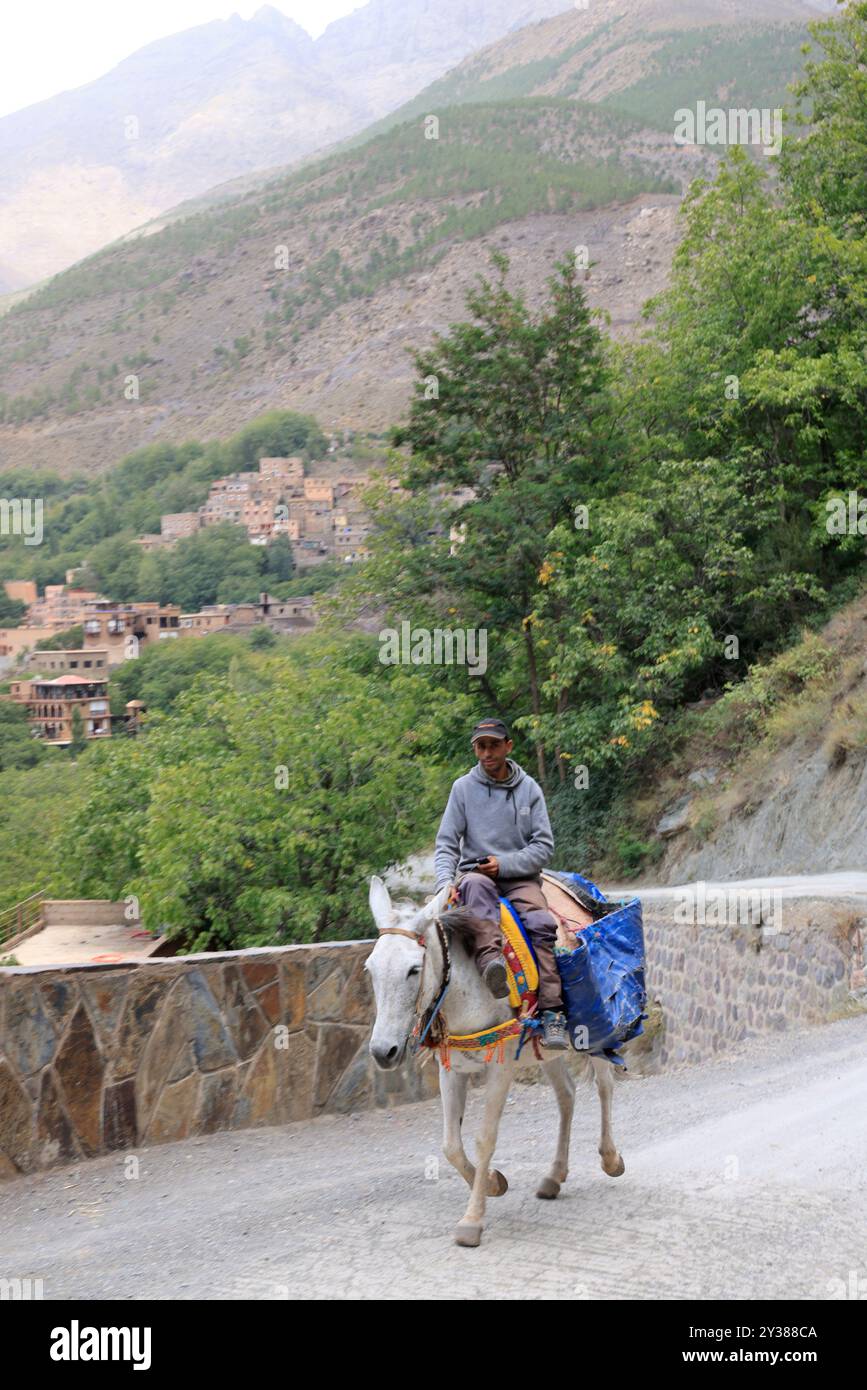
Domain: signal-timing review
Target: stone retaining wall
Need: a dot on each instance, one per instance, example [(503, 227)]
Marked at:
[(101, 1058), (718, 985)]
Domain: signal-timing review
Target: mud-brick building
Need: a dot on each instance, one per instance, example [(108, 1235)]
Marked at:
[(50, 705), (122, 629)]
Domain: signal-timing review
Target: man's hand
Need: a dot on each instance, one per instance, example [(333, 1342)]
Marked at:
[(490, 867)]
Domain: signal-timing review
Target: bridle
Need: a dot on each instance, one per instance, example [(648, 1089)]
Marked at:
[(425, 1021), (403, 931), (431, 1028)]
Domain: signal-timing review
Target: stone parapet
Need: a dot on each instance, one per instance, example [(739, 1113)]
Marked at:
[(102, 1058), (97, 1058)]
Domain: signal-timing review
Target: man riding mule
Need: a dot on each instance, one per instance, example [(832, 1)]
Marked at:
[(493, 841), (420, 969)]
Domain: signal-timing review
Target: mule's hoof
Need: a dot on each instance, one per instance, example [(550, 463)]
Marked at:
[(497, 1183), (548, 1188), (614, 1167), (468, 1233)]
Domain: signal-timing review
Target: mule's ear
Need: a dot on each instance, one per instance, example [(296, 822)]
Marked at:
[(434, 908), (380, 902)]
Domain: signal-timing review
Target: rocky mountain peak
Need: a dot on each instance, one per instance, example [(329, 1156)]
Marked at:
[(269, 17)]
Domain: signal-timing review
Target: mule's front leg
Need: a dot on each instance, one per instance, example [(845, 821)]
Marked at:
[(453, 1089), (469, 1229)]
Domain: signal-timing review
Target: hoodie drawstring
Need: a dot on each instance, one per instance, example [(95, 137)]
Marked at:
[(510, 796)]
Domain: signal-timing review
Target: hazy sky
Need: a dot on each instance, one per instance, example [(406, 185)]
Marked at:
[(51, 45)]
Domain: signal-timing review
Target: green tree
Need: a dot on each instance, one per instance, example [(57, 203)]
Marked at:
[(12, 610), (18, 748), (216, 565), (71, 639), (516, 407), (279, 561), (112, 568), (277, 434), (166, 670), (256, 810), (78, 740), (262, 637), (635, 611), (36, 803)]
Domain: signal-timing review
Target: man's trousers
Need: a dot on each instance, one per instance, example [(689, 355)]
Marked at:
[(481, 896)]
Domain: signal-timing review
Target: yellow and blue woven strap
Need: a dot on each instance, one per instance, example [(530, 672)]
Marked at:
[(523, 971)]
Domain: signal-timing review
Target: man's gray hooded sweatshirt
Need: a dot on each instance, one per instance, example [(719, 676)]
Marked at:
[(508, 819)]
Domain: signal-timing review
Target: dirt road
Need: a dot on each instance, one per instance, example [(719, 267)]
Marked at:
[(850, 884), (745, 1178)]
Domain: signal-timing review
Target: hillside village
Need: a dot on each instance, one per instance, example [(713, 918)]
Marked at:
[(511, 451), (321, 517)]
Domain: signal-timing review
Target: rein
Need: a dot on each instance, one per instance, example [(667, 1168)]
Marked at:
[(424, 1022), (425, 1034)]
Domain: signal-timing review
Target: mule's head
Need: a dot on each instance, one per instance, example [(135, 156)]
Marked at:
[(396, 967)]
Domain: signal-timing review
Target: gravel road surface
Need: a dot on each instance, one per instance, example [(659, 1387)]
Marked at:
[(745, 1178)]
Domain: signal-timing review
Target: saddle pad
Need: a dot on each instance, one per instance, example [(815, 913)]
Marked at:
[(566, 907), (523, 971)]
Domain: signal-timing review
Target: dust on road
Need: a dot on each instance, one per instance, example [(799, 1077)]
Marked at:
[(745, 1178)]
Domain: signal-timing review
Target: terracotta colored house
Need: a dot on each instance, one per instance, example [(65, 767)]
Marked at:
[(50, 704)]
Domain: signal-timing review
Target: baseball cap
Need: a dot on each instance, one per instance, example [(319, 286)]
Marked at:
[(490, 728)]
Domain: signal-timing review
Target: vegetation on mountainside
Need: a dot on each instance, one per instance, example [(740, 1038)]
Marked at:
[(744, 69), (94, 523), (648, 527), (35, 806), (164, 671), (489, 165), (509, 145), (12, 610), (214, 565), (749, 67), (256, 811), (64, 641), (17, 747), (812, 695), (36, 803)]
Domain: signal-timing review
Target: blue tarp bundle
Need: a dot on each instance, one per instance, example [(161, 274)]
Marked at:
[(603, 978)]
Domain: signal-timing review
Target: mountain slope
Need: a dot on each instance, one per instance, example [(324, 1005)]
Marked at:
[(779, 767), (380, 241), (211, 103), (380, 244), (646, 57)]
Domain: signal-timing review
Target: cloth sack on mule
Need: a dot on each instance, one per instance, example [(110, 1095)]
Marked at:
[(507, 819)]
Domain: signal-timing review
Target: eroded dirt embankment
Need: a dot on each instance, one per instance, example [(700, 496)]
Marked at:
[(797, 802)]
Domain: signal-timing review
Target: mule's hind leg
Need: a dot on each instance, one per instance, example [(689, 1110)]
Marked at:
[(469, 1229), (612, 1162), (557, 1074)]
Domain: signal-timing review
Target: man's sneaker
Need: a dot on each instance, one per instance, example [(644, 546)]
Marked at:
[(554, 1031), (496, 977)]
